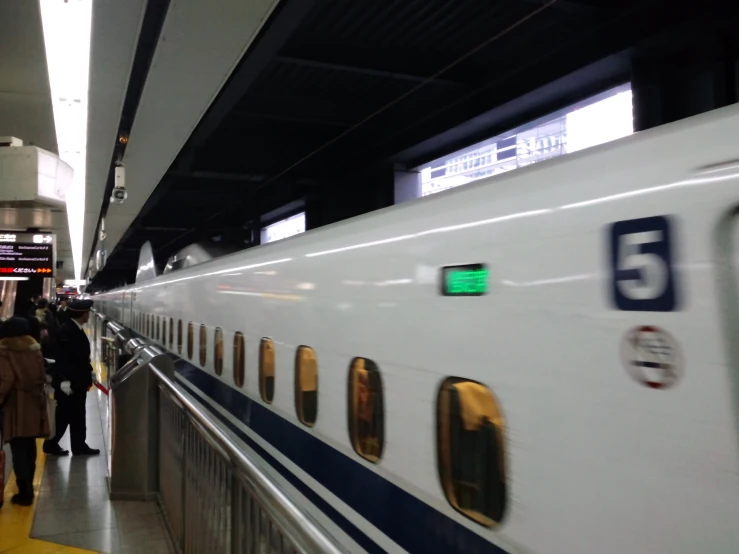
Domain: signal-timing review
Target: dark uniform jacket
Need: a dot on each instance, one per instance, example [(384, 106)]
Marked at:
[(73, 358)]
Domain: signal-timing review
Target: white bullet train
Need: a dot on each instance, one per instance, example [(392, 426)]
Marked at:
[(544, 361)]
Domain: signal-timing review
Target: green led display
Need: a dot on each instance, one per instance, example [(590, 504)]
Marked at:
[(465, 280)]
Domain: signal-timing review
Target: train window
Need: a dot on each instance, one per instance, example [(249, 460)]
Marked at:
[(190, 339), (158, 325), (179, 336), (470, 450), (267, 370), (203, 343), (306, 385), (366, 409), (171, 332), (147, 325), (218, 351), (239, 359), (164, 330)]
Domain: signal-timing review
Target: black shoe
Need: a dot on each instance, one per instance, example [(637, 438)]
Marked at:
[(22, 499), (55, 450), (86, 451)]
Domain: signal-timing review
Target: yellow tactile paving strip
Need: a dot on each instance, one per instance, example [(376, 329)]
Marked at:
[(16, 521)]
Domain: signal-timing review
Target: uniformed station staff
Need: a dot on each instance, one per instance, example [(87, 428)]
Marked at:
[(73, 377)]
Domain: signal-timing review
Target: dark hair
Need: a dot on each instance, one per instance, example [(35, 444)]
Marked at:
[(42, 304), (15, 327)]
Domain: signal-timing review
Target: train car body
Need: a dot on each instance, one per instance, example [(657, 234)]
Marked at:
[(584, 327)]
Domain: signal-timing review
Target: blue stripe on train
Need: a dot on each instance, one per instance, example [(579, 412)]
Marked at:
[(411, 523)]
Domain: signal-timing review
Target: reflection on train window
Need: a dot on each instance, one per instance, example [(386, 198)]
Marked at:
[(239, 357), (203, 343), (179, 336), (190, 339), (470, 450), (267, 370), (171, 332), (366, 409), (218, 351), (306, 385)]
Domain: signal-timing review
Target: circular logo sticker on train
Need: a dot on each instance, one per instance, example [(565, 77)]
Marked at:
[(652, 357)]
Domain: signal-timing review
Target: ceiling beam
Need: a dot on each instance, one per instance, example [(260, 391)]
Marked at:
[(257, 176), (218, 176), (149, 228), (282, 24), (291, 119), (569, 6), (287, 60)]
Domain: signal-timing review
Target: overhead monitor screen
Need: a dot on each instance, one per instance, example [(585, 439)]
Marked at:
[(26, 254), (464, 280)]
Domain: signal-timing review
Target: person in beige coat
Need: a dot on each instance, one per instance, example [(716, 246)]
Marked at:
[(22, 401)]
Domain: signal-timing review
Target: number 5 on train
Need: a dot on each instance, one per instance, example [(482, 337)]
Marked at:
[(641, 260)]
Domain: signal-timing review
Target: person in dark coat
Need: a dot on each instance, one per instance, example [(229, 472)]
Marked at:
[(23, 399), (50, 329), (62, 313), (73, 378), (27, 310)]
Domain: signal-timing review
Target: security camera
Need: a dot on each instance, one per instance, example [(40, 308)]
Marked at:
[(119, 194)]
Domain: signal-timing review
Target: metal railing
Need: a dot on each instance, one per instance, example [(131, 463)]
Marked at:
[(215, 498)]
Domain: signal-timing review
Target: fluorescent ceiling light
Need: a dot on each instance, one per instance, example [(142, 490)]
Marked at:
[(13, 278), (67, 28)]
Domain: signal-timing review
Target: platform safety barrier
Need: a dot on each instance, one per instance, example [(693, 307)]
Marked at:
[(215, 497)]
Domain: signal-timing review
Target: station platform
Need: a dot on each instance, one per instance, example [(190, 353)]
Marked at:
[(72, 513), (206, 492)]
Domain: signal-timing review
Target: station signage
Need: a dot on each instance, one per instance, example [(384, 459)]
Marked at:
[(27, 254)]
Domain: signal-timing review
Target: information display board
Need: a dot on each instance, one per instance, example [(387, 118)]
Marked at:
[(27, 254)]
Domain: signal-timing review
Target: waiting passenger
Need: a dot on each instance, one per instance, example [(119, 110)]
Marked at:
[(50, 328), (27, 311), (23, 399)]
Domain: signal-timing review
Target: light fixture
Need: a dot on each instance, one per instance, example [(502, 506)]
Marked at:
[(67, 28), (13, 278)]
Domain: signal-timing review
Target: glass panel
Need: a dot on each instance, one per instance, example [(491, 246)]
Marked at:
[(471, 450), (306, 385), (267, 370), (366, 409), (239, 359)]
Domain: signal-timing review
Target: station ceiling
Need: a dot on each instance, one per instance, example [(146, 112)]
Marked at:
[(329, 88), (26, 113)]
